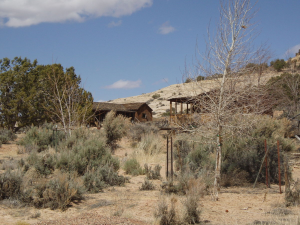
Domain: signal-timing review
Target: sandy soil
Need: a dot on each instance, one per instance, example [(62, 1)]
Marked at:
[(129, 205)]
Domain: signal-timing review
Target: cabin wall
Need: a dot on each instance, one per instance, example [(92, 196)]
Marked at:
[(144, 114)]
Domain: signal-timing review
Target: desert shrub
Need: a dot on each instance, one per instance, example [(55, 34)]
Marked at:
[(165, 215), (10, 185), (278, 64), (110, 175), (155, 96), (152, 174), (192, 213), (243, 154), (292, 195), (115, 128), (242, 158), (43, 164), (188, 80), (180, 186), (138, 130), (192, 156), (199, 78), (89, 154), (9, 164), (200, 159), (40, 138), (147, 186), (132, 167), (59, 192), (7, 136), (83, 163)]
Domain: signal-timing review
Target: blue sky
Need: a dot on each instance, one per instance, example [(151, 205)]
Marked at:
[(122, 48)]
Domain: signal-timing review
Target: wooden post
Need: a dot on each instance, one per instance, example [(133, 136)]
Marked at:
[(279, 175), (175, 112), (266, 160), (170, 112), (181, 108), (171, 158), (167, 173), (187, 108)]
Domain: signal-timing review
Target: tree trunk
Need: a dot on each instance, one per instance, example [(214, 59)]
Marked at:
[(218, 164)]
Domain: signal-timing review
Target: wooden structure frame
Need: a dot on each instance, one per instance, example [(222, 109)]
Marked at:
[(182, 117), (259, 102)]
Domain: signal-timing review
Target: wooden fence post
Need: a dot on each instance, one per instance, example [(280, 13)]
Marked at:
[(167, 173), (171, 158), (279, 172)]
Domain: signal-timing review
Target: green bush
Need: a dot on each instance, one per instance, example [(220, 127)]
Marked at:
[(188, 80), (44, 165), (86, 155), (156, 96), (147, 186), (41, 138), (7, 136), (115, 128), (241, 154), (93, 181), (199, 78), (132, 167), (152, 174), (83, 163), (278, 64), (10, 185)]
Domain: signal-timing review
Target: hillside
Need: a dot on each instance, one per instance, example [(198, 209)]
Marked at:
[(161, 103)]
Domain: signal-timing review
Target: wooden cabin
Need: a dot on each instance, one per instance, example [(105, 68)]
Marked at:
[(139, 112)]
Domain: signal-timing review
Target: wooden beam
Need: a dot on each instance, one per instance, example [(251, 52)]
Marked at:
[(170, 111), (181, 108)]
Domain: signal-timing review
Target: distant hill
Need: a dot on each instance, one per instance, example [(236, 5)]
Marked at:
[(158, 100)]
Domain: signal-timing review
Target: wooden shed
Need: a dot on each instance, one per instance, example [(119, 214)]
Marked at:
[(139, 111)]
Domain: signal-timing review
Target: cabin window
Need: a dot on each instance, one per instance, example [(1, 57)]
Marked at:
[(144, 116)]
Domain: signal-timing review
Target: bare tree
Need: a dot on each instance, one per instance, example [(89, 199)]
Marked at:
[(233, 95), (69, 103)]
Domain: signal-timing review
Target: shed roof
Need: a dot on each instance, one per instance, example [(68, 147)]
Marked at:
[(105, 106), (127, 107)]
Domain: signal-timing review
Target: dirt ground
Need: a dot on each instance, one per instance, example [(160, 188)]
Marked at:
[(129, 205)]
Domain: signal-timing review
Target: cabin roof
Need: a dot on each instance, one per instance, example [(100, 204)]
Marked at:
[(127, 107)]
